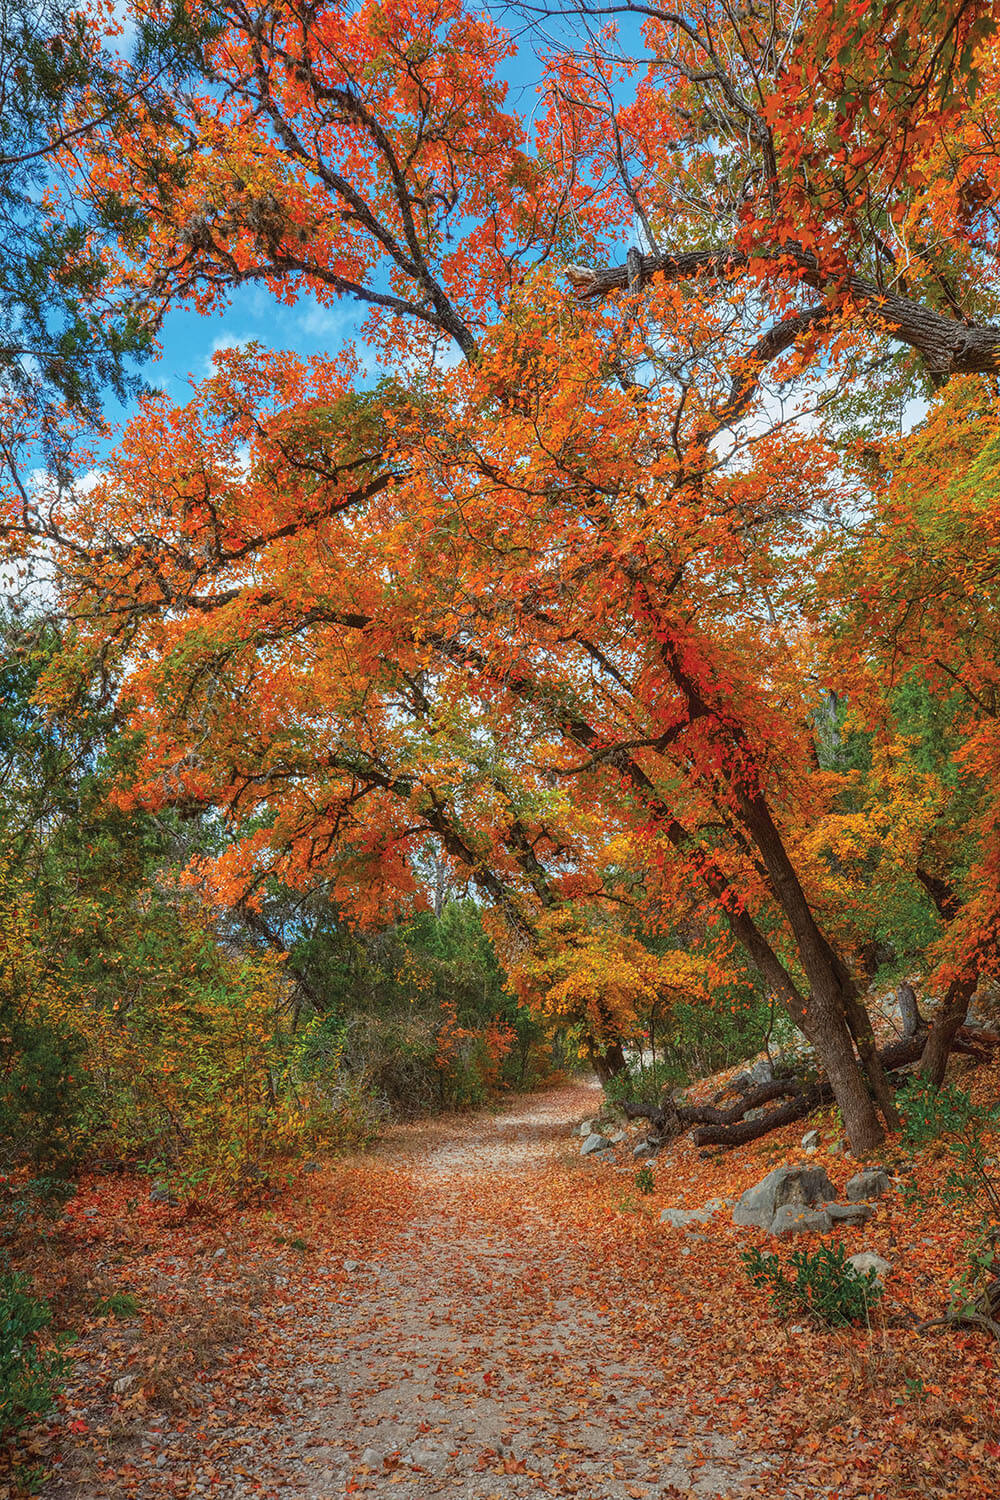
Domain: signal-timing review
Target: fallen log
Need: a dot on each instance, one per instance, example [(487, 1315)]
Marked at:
[(741, 1131), (730, 1127), (755, 1098)]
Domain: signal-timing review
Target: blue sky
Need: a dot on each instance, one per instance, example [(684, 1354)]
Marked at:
[(189, 339)]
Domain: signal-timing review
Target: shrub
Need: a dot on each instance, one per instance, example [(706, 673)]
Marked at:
[(644, 1180), (948, 1117), (29, 1372), (965, 1131), (824, 1287), (644, 1085), (42, 1082)]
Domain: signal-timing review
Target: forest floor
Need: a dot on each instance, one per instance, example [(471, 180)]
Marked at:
[(472, 1310)]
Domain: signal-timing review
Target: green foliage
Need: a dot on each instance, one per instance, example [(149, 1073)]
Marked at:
[(644, 1180), (696, 1039), (29, 1372), (117, 1305), (43, 1087), (967, 1132), (947, 1119), (56, 302), (824, 1287), (643, 1083)]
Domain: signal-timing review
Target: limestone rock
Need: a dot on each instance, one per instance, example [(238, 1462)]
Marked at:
[(811, 1140), (682, 1218), (803, 1186), (798, 1218), (871, 1183), (850, 1213), (867, 1260), (595, 1142)]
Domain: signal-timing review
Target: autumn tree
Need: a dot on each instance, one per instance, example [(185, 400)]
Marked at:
[(917, 623), (70, 330), (553, 584)]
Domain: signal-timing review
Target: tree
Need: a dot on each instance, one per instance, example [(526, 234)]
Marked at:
[(923, 614), (554, 590), (69, 330)]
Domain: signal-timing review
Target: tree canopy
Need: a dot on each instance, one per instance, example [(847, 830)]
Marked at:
[(562, 591)]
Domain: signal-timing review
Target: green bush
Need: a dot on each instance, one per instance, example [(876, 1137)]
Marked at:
[(824, 1287), (644, 1180), (643, 1085), (948, 1116), (29, 1372)]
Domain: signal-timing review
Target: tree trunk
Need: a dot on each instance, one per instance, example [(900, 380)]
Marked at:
[(864, 1039), (947, 1024), (829, 1034), (730, 1127), (833, 999), (606, 1063)]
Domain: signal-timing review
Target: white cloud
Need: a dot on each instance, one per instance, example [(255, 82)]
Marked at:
[(319, 321), (220, 345)]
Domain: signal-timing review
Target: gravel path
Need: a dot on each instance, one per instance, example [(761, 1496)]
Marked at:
[(469, 1355)]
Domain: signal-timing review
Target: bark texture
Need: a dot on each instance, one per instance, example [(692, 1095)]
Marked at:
[(948, 346)]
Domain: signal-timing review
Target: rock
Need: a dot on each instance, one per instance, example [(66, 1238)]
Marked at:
[(871, 1183), (682, 1218), (122, 1384), (617, 1138), (371, 1458), (799, 1218), (811, 1140), (755, 1114), (762, 1071), (867, 1260), (741, 1082), (585, 1128), (423, 1455), (160, 1194), (311, 1166), (644, 1148), (803, 1186), (350, 1266), (595, 1142), (850, 1213)]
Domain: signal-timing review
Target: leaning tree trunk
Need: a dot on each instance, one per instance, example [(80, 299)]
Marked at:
[(835, 1013), (954, 1008), (864, 1039), (947, 1024), (829, 1034)]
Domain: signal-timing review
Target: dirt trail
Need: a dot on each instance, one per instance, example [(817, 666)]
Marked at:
[(470, 1354)]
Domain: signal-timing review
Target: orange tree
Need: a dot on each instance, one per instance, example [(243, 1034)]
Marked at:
[(917, 629), (552, 585)]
